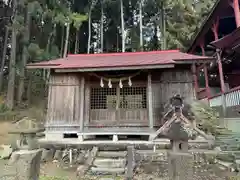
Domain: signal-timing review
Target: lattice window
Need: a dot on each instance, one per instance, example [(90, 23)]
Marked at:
[(103, 98), (124, 98), (133, 98)]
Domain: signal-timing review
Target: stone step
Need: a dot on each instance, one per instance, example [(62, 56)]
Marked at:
[(112, 154), (227, 166), (109, 163), (107, 171)]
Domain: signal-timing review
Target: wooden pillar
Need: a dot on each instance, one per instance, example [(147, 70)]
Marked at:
[(82, 89), (86, 103), (195, 78), (215, 31), (222, 83), (220, 72), (206, 81), (205, 73), (236, 12), (150, 107)]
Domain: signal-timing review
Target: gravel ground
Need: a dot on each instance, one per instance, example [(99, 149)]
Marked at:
[(146, 171), (159, 171)]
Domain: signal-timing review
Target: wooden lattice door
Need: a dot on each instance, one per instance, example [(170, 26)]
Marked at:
[(118, 106)]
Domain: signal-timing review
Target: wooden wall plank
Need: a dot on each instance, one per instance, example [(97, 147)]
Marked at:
[(82, 103), (87, 104), (150, 99), (168, 83), (66, 90), (63, 100)]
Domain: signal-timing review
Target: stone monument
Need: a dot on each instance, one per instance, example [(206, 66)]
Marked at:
[(24, 163), (180, 161)]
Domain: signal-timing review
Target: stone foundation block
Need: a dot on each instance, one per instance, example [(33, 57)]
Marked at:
[(180, 166), (47, 155), (26, 164), (53, 136)]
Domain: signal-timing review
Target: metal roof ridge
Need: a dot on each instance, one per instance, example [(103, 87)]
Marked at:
[(126, 53)]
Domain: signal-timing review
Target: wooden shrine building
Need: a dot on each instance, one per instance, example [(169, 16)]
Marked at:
[(115, 94), (218, 36)]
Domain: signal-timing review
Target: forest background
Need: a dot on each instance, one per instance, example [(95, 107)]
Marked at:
[(39, 30)]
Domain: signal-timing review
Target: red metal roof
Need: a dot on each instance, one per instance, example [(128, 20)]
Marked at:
[(219, 9), (114, 60)]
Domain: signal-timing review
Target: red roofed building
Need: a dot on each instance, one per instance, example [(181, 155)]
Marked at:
[(219, 37), (115, 94)]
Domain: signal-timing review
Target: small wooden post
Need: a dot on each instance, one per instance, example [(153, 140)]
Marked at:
[(150, 108), (82, 104), (130, 162), (70, 157), (224, 106)]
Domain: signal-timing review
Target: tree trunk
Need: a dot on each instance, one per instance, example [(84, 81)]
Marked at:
[(89, 29), (62, 41), (76, 42), (117, 44), (102, 27), (4, 57), (25, 57), (122, 26), (49, 42), (163, 29), (29, 87), (140, 25), (66, 41), (12, 65)]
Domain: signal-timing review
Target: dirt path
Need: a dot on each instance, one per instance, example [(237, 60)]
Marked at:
[(5, 127)]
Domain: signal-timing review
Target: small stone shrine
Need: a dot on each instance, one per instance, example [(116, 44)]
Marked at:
[(25, 161), (26, 131)]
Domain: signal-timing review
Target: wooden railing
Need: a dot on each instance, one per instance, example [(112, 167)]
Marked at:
[(232, 98)]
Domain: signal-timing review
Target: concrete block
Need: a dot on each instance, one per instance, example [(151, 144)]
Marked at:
[(110, 163), (53, 136), (47, 155), (112, 154), (99, 170), (26, 164)]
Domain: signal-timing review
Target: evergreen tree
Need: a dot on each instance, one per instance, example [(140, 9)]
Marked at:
[(43, 30)]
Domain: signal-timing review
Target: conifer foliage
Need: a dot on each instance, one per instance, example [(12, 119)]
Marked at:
[(37, 30)]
